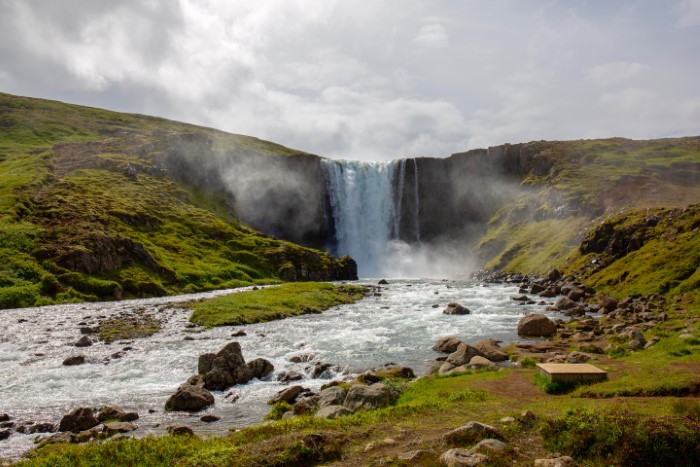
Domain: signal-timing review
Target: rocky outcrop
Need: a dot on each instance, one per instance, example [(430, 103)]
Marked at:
[(78, 420), (456, 309), (470, 433), (447, 344), (463, 355), (225, 368)]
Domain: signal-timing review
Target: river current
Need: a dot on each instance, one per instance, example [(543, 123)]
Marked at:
[(398, 324)]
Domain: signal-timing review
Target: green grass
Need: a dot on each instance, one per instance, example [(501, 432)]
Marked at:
[(118, 328), (86, 208), (270, 303)]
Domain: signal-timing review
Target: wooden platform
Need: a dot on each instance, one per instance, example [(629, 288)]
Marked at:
[(572, 372)]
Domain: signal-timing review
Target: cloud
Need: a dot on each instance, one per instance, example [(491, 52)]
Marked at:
[(369, 80), (613, 73), (688, 13), (433, 34)]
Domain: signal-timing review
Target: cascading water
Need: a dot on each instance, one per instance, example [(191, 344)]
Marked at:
[(366, 199), (361, 199)]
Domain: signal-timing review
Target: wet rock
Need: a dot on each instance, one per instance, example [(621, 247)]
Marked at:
[(491, 350), (456, 309), (189, 398), (74, 360), (332, 396), (224, 369), (521, 298), (462, 457), (119, 427), (564, 303), (536, 325), (563, 461), (333, 411), (553, 275), (210, 418), (4, 434), (368, 397), (383, 282), (324, 370), (179, 430), (261, 367), (239, 334), (549, 292), (447, 344), (84, 341), (463, 355), (287, 376), (302, 357), (115, 412), (78, 420), (286, 395), (471, 433), (4, 417)]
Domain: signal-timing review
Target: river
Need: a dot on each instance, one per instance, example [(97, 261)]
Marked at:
[(398, 325)]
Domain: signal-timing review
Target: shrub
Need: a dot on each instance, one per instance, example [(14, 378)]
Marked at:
[(18, 296), (623, 438)]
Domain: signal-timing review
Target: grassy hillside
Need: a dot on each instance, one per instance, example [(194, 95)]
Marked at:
[(607, 184), (87, 211)]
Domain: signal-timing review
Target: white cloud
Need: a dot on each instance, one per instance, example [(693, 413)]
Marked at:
[(432, 35), (688, 13), (613, 73)]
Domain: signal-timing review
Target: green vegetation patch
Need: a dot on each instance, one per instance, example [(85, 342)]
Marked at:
[(272, 303), (623, 438), (128, 327)]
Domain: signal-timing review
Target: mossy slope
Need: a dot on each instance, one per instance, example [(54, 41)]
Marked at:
[(88, 211), (605, 186)]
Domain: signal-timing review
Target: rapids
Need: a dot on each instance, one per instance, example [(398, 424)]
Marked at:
[(399, 325)]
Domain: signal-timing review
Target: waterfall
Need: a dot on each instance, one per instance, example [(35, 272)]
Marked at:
[(364, 212)]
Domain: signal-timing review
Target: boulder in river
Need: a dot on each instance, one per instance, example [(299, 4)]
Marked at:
[(287, 376), (286, 395), (456, 309), (4, 434), (261, 367), (78, 420), (189, 398), (84, 341), (119, 427), (225, 368), (447, 344), (115, 412), (536, 325), (74, 360)]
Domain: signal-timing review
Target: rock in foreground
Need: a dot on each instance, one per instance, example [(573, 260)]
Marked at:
[(536, 325)]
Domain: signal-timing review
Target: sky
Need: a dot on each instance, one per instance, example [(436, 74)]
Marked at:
[(362, 79)]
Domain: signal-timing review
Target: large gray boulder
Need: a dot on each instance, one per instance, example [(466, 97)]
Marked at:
[(536, 325), (447, 344), (368, 397), (334, 395), (463, 355), (78, 420), (225, 368), (189, 398)]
